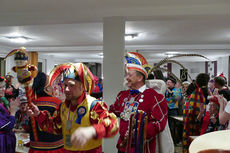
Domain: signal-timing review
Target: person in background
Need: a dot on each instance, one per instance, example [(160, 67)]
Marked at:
[(11, 91), (7, 121), (58, 89), (3, 99), (184, 95), (21, 117), (179, 86), (209, 120), (82, 120), (211, 87), (220, 84), (100, 84), (47, 142), (185, 85), (97, 93), (139, 97), (197, 95), (224, 112), (173, 96)]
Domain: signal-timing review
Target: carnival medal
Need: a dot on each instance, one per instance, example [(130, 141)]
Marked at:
[(68, 124), (68, 140)]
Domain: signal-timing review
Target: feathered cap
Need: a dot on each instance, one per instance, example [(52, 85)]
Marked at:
[(138, 62), (20, 54), (74, 71), (2, 81)]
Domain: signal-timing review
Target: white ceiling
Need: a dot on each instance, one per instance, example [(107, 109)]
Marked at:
[(74, 30)]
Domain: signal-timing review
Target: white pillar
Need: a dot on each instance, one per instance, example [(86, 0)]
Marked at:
[(113, 48), (9, 65)]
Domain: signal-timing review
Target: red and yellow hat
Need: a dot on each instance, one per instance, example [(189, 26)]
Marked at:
[(74, 70), (136, 61), (20, 54)]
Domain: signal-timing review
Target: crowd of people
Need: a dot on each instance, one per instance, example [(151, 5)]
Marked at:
[(76, 119)]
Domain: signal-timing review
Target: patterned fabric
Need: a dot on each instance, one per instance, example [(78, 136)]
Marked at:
[(105, 124), (7, 137), (46, 141), (173, 98), (190, 113), (150, 102)]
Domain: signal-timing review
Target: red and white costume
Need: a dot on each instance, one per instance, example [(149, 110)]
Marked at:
[(152, 103)]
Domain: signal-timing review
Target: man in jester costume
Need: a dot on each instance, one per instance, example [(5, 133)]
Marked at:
[(138, 98), (197, 95), (81, 119)]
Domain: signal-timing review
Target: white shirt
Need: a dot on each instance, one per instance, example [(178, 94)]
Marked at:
[(227, 110), (142, 89)]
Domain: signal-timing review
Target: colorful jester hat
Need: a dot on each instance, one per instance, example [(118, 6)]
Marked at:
[(20, 54), (74, 71), (137, 62)]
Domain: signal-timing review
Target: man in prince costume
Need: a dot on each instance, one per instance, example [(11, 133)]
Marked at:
[(139, 97), (81, 119)]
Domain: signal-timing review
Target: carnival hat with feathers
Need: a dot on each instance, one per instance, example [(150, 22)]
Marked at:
[(170, 60), (20, 54), (73, 71), (136, 61)]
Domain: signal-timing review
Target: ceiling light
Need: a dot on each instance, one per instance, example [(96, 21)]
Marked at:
[(130, 36), (101, 55), (18, 39)]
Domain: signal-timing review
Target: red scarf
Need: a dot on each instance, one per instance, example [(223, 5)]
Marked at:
[(206, 122)]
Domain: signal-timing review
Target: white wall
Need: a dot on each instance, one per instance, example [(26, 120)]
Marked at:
[(194, 68), (49, 62), (9, 65), (222, 66)]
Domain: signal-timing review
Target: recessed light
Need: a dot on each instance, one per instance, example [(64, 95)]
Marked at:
[(18, 39), (130, 36)]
